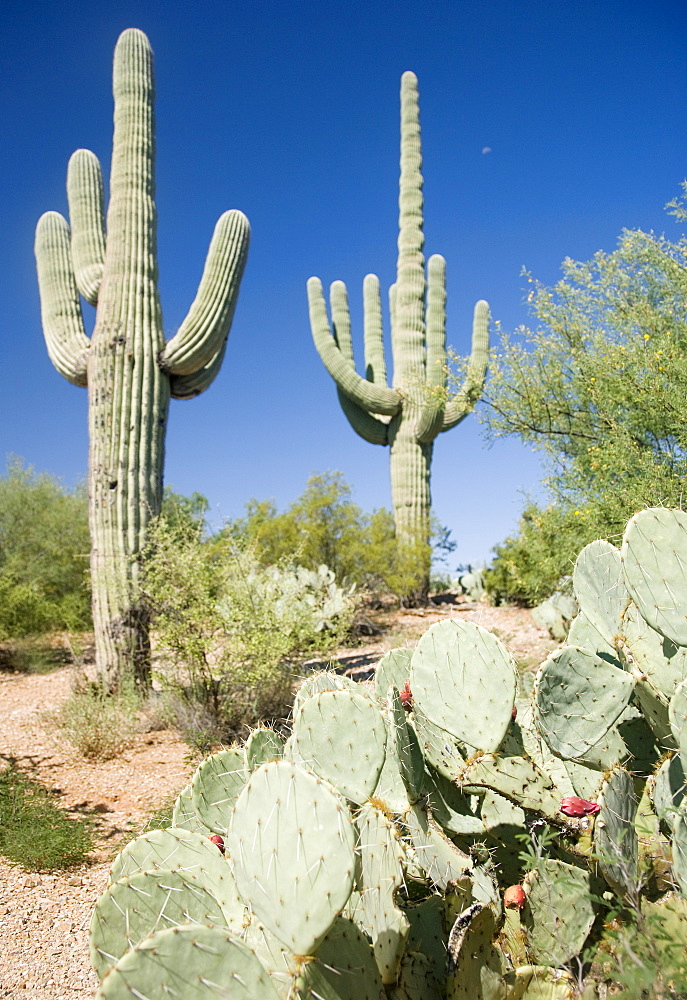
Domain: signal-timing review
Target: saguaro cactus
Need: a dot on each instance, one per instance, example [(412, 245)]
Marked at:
[(409, 415), (129, 369)]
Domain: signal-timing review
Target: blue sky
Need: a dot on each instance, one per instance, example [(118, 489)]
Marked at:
[(289, 111)]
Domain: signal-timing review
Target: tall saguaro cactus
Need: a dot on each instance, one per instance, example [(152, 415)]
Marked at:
[(409, 415), (129, 369)]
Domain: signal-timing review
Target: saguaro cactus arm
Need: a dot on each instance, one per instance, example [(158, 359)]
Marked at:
[(188, 386), (375, 360), (432, 412), (206, 327), (65, 337), (87, 216), (370, 396), (371, 428), (469, 393)]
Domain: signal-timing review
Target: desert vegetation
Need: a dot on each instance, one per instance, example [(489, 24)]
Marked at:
[(449, 824)]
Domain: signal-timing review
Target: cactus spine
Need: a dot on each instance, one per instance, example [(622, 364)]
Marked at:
[(129, 369), (408, 416)]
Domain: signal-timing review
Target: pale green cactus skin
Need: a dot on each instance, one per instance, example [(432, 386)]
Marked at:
[(129, 369), (407, 416)]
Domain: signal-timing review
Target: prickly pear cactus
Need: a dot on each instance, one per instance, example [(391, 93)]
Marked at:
[(386, 834)]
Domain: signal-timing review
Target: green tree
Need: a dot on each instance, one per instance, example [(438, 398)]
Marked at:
[(325, 526), (599, 386), (44, 548)]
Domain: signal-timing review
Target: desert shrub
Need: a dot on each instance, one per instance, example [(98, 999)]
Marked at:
[(35, 832), (231, 632), (44, 548), (529, 565), (98, 725)]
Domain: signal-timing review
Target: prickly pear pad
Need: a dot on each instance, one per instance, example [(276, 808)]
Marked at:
[(475, 966), (131, 909), (654, 554), (292, 843), (439, 748), (463, 679), (678, 842), (175, 849), (579, 697), (677, 713), (600, 588), (518, 778), (394, 668), (216, 785), (560, 911), (325, 680), (407, 748), (193, 962), (381, 874), (344, 968), (615, 837), (341, 735), (261, 746), (184, 813), (664, 663), (669, 787)]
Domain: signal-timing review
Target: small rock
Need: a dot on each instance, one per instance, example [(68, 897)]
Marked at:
[(75, 880), (63, 926), (30, 882)]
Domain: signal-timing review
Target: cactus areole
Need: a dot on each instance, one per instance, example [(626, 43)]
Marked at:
[(129, 369), (408, 416)]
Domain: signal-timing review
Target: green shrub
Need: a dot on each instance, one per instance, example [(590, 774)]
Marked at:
[(44, 548), (231, 633), (528, 566), (34, 831)]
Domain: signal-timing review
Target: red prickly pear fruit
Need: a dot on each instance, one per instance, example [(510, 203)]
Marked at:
[(406, 696), (216, 839), (514, 713), (514, 897), (572, 806)]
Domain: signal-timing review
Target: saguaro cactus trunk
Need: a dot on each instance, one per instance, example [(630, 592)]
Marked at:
[(129, 369), (407, 416)]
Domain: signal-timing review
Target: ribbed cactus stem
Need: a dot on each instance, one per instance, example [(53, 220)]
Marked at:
[(128, 396), (410, 415), (129, 370)]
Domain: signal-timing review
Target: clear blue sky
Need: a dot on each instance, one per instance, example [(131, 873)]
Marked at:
[(289, 111)]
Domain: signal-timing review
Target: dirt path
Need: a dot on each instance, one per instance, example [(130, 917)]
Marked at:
[(44, 918)]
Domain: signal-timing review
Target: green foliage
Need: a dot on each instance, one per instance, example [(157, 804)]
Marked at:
[(44, 550), (232, 630), (321, 527), (325, 527), (34, 831), (529, 565), (184, 512), (599, 386), (643, 951)]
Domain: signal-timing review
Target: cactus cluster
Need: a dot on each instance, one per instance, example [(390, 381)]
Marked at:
[(373, 852)]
